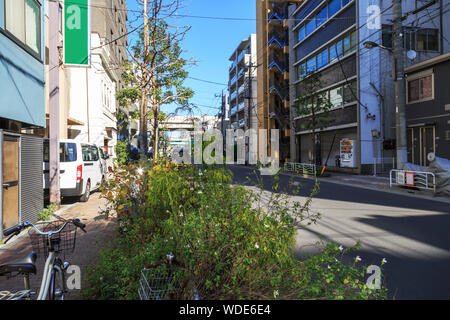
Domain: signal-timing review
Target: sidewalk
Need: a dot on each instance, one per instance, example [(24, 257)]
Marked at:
[(379, 183), (100, 232)]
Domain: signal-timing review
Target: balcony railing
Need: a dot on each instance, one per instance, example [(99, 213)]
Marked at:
[(277, 14), (233, 111), (233, 96), (275, 62), (277, 89), (277, 39), (241, 106), (233, 80)]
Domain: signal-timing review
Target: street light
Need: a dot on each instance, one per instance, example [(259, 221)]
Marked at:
[(371, 45)]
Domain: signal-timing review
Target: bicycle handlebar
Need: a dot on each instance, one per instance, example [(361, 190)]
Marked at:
[(16, 230)]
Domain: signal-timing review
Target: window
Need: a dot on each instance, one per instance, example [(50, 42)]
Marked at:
[(386, 36), (420, 89), (345, 2), (311, 65), (427, 40), (349, 43), (23, 21), (321, 17), (67, 152), (301, 71), (310, 27), (350, 92), (301, 34), (336, 98), (335, 51), (322, 59), (333, 7)]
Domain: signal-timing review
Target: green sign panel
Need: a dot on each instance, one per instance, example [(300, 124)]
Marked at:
[(77, 32)]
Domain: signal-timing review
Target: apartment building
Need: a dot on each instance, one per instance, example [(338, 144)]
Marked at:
[(22, 107), (273, 71), (242, 87), (327, 38), (91, 92)]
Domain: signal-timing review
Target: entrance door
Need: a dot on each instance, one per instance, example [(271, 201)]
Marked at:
[(427, 143), (10, 188)]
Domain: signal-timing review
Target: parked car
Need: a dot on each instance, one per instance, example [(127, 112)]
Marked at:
[(81, 169)]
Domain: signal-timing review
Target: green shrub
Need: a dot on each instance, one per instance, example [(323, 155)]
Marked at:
[(47, 213), (237, 243), (123, 152)]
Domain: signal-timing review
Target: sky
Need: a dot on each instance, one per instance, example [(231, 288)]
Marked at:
[(211, 42)]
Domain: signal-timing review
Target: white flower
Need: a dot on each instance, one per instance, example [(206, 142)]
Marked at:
[(181, 206), (276, 294), (328, 267), (140, 171), (181, 214), (341, 248), (188, 246), (167, 211), (200, 192), (383, 261), (192, 189), (358, 258), (256, 246), (200, 173)]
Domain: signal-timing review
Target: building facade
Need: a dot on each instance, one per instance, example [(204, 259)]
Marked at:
[(22, 108), (428, 109), (242, 87), (327, 38), (91, 92), (273, 72)]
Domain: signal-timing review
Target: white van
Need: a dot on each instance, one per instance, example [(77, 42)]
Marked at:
[(81, 169)]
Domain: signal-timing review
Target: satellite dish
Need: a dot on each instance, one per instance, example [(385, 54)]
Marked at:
[(431, 157), (411, 54)]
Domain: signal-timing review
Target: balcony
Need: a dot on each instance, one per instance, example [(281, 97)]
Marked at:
[(276, 39), (233, 110), (233, 96), (275, 63), (233, 80), (241, 106), (233, 65), (276, 89), (277, 15), (242, 89), (280, 116)]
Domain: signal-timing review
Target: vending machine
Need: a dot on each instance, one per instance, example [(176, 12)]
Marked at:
[(348, 153)]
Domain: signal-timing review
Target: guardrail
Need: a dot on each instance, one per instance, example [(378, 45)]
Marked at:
[(416, 179), (302, 168)]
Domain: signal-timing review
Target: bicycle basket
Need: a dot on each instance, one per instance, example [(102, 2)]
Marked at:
[(164, 282), (63, 242)]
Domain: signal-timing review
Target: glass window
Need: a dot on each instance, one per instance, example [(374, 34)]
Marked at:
[(420, 89), (336, 98), (432, 40), (94, 152), (311, 65), (353, 41), (22, 19), (310, 27), (67, 152), (335, 51), (321, 17), (301, 71), (333, 7), (301, 34), (349, 43), (349, 92), (345, 2), (322, 59), (387, 33), (410, 40)]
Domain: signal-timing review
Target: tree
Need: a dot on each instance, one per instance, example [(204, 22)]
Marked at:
[(157, 69), (313, 106)]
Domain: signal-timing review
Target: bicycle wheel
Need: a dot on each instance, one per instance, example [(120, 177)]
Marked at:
[(57, 288)]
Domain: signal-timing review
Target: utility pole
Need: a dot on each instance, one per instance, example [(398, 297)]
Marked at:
[(400, 87), (55, 195)]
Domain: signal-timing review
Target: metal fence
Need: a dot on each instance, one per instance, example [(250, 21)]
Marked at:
[(416, 179), (300, 168)]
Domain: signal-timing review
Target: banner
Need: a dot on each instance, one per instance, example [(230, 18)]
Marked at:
[(77, 30)]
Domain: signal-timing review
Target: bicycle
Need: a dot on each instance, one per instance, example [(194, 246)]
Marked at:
[(56, 239), (167, 279)]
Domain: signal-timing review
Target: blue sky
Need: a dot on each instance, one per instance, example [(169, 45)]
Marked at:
[(211, 42)]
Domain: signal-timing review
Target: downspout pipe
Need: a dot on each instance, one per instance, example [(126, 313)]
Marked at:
[(381, 113)]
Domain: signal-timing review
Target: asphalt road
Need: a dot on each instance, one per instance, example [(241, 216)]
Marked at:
[(413, 234)]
